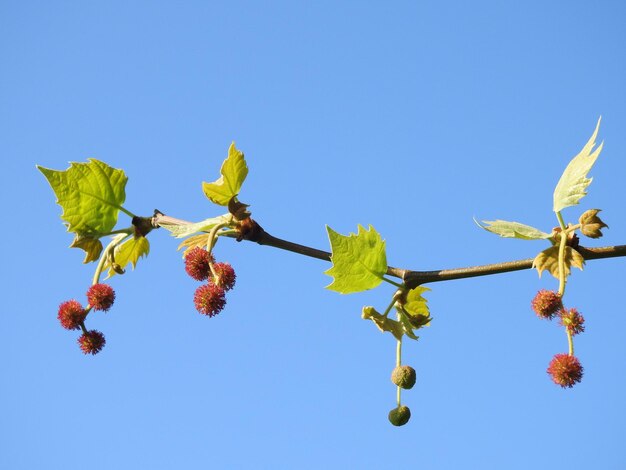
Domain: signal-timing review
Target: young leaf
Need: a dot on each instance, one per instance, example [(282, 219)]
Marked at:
[(129, 252), (190, 243), (359, 261), (573, 183), (406, 325), (91, 246), (549, 260), (382, 322), (513, 230), (182, 231), (415, 304), (91, 195), (234, 171)]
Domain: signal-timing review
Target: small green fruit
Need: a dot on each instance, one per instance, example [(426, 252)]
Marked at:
[(400, 416), (404, 377)]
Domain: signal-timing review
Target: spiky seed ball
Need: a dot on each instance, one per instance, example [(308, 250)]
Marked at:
[(546, 304), (404, 377), (209, 299), (225, 275), (101, 296), (197, 262), (91, 342), (573, 321), (400, 416), (565, 370), (71, 314)]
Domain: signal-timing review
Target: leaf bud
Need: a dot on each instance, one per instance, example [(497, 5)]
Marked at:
[(572, 238), (591, 224)]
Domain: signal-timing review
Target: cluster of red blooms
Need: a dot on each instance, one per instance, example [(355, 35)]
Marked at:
[(72, 316), (565, 369), (209, 298)]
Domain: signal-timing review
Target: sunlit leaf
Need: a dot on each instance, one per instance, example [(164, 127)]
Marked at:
[(90, 194), (406, 324), (233, 173), (184, 230), (91, 246), (548, 260), (590, 224), (359, 261), (128, 252), (513, 230), (382, 322), (190, 243), (416, 304), (573, 183)]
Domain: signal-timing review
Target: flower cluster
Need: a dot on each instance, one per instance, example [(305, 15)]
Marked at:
[(209, 298), (564, 369), (72, 315)]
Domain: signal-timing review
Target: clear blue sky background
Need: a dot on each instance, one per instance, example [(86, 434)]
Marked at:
[(411, 116)]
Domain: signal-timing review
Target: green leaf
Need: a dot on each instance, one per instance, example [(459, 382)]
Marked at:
[(128, 252), (190, 243), (382, 322), (548, 260), (573, 183), (91, 195), (234, 171), (415, 304), (359, 261), (182, 231), (406, 324), (91, 246), (513, 230)]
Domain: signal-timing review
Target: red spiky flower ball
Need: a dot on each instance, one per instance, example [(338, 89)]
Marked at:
[(71, 314), (197, 262), (565, 370), (91, 342), (546, 304), (226, 276), (573, 321), (101, 297), (209, 299)]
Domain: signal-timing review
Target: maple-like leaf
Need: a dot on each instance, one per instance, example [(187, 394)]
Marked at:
[(128, 252), (91, 246), (91, 195), (548, 260), (359, 260), (233, 173)]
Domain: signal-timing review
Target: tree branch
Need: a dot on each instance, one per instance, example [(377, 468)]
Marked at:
[(412, 278)]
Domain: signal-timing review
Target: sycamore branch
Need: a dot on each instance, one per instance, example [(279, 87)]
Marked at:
[(255, 233)]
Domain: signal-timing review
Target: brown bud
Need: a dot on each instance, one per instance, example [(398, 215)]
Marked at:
[(591, 224), (572, 238)]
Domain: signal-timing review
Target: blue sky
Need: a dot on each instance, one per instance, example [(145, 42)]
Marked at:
[(410, 116)]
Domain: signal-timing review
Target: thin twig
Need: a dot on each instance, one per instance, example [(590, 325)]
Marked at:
[(412, 278)]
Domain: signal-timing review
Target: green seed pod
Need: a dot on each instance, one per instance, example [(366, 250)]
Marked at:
[(404, 377), (400, 416)]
